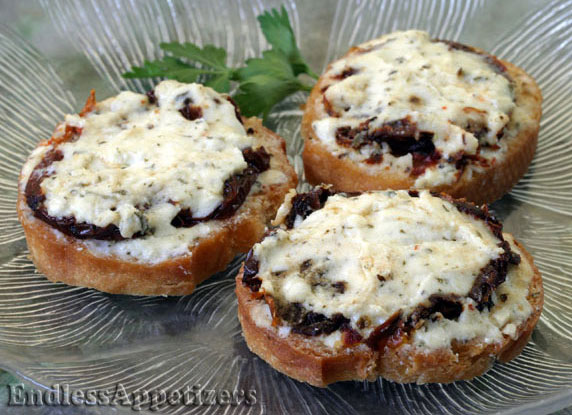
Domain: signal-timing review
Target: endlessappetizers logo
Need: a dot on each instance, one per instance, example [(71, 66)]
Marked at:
[(64, 395)]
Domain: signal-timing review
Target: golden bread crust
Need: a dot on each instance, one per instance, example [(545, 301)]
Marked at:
[(308, 360), (483, 186), (65, 259)]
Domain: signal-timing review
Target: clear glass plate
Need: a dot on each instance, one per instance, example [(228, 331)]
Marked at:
[(52, 333)]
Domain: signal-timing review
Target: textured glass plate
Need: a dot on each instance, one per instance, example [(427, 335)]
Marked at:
[(52, 333)]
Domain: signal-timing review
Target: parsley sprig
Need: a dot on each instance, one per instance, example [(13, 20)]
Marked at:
[(260, 84)]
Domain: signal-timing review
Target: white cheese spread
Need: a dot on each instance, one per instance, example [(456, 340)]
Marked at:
[(442, 89), (389, 251), (136, 164)]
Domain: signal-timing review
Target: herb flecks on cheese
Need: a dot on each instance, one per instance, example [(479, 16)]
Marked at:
[(136, 164), (370, 256), (458, 96)]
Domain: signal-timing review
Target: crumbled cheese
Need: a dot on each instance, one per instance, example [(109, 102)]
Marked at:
[(391, 252), (260, 314), (284, 331), (332, 340), (407, 74)]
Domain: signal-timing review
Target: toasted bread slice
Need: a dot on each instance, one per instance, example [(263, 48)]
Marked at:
[(482, 177), (75, 261), (317, 360)]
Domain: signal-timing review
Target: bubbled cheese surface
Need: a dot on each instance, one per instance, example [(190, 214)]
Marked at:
[(407, 74), (390, 251)]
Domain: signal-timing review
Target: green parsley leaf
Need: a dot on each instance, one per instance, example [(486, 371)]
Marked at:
[(220, 83), (273, 63), (261, 83), (213, 71), (261, 92), (264, 82), (159, 68), (275, 26), (209, 56)]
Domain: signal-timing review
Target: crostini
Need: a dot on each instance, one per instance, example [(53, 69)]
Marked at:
[(151, 194)]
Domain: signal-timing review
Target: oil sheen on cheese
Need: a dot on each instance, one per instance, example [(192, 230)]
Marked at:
[(407, 74), (390, 252)]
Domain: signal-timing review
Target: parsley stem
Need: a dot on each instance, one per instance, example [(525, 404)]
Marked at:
[(312, 74)]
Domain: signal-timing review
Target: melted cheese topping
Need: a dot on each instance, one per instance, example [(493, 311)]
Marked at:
[(125, 164), (503, 319), (137, 164), (406, 74), (389, 251)]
